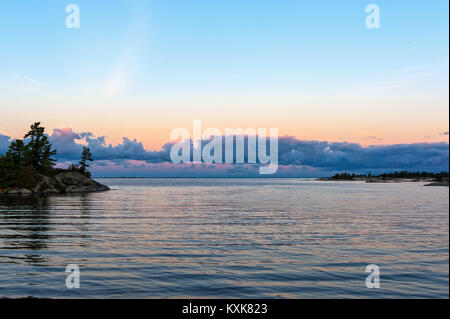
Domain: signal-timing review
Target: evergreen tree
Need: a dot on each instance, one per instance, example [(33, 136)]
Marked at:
[(39, 153), (86, 157), (16, 153), (11, 163), (7, 172)]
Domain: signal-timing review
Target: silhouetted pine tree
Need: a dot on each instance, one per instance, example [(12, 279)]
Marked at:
[(86, 157), (39, 153)]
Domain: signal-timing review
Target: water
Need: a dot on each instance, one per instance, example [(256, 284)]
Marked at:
[(228, 238)]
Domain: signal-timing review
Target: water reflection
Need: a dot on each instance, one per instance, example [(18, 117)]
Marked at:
[(17, 202), (229, 238), (30, 223), (26, 223), (85, 205)]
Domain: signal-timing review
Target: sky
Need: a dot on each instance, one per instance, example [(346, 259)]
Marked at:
[(138, 69)]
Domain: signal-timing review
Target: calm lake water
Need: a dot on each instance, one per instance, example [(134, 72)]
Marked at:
[(226, 238)]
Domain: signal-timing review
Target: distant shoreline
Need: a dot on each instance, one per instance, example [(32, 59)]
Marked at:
[(190, 177), (434, 179)]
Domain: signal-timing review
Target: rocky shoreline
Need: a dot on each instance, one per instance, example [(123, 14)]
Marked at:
[(445, 183), (60, 183)]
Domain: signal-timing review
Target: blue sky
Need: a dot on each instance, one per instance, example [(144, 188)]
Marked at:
[(223, 44)]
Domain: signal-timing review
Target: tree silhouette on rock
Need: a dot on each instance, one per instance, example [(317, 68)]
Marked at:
[(16, 153), (39, 150), (86, 157), (22, 162)]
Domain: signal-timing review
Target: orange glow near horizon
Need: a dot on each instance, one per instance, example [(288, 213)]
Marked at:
[(155, 135), (381, 120)]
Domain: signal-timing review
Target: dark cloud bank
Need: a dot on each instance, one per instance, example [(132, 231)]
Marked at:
[(296, 157)]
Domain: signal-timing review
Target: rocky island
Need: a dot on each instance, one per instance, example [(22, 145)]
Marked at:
[(28, 168), (63, 181)]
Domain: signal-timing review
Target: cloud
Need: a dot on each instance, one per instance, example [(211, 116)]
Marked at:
[(65, 141), (444, 133), (4, 143), (123, 75), (296, 157), (374, 138), (352, 156)]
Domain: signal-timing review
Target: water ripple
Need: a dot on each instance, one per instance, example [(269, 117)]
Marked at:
[(242, 238)]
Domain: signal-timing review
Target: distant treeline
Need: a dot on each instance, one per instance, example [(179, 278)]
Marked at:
[(439, 177)]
